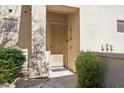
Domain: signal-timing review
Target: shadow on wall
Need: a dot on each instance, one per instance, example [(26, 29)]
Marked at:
[(113, 69)]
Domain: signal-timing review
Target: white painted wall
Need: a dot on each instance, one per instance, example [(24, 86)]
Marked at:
[(98, 26)]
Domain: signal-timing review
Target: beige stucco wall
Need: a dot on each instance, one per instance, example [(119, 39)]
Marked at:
[(25, 30), (98, 26)]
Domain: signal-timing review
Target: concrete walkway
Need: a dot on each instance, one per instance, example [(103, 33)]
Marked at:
[(60, 78)]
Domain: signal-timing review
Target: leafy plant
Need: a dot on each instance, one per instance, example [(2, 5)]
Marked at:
[(121, 85), (11, 61), (88, 70)]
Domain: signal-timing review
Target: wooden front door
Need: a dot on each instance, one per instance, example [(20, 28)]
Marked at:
[(57, 34), (63, 23)]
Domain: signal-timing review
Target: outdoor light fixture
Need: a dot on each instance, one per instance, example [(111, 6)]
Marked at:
[(10, 10), (111, 48), (102, 48), (107, 49)]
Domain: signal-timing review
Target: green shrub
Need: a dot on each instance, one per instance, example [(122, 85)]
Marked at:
[(88, 70), (121, 85), (11, 61)]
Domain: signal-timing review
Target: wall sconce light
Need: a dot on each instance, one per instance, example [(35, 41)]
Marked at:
[(102, 48), (10, 10), (107, 49), (111, 48)]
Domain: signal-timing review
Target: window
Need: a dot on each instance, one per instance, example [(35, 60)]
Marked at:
[(10, 25), (120, 25)]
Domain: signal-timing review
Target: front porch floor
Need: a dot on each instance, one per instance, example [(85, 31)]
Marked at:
[(60, 78)]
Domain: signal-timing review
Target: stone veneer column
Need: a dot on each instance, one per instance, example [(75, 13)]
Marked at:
[(38, 66)]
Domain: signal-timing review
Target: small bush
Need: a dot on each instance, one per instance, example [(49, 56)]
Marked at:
[(11, 61), (88, 70), (121, 85)]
